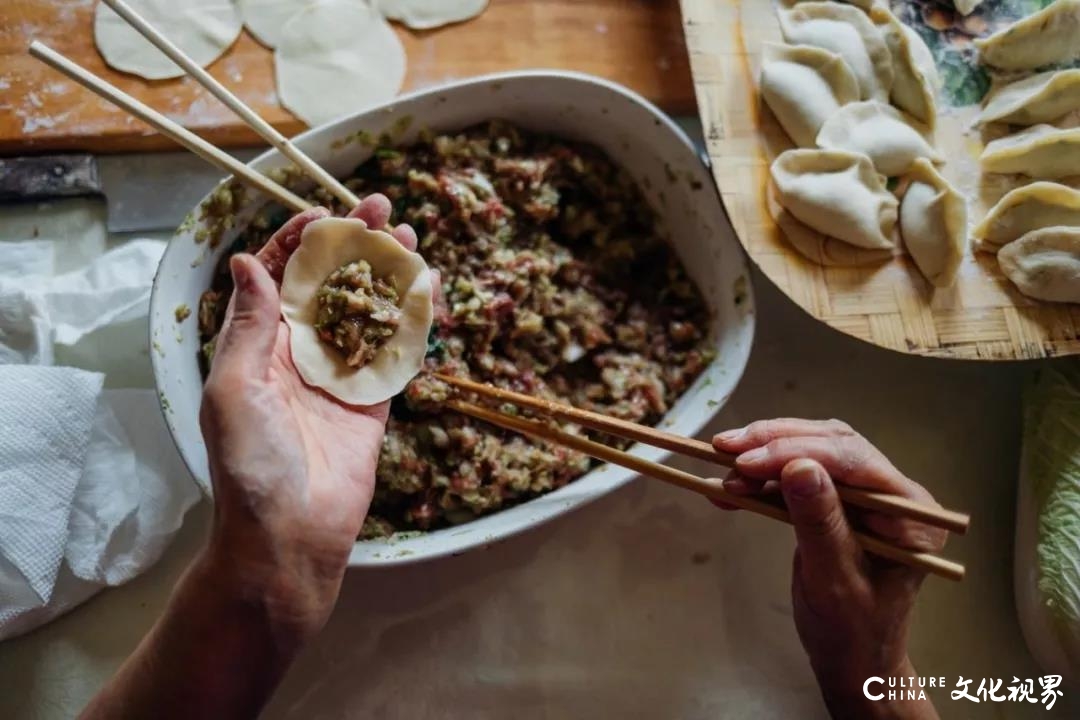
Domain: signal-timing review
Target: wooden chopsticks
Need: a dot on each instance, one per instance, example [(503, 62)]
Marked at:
[(249, 116), (167, 127), (881, 502)]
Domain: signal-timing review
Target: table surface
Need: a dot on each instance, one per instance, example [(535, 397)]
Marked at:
[(648, 603)]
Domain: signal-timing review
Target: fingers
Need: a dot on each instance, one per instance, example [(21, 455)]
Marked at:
[(275, 254), (246, 343), (763, 432), (828, 550), (374, 210), (405, 235)]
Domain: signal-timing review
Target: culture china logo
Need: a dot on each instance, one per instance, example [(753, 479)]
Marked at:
[(993, 690)]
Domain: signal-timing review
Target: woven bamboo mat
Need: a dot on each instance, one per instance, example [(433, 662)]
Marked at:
[(983, 316)]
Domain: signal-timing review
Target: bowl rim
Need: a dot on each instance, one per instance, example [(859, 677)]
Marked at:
[(357, 558)]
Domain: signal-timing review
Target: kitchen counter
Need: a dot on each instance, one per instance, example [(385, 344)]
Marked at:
[(648, 603)]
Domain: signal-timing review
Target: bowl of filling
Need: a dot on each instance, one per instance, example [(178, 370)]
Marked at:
[(585, 257)]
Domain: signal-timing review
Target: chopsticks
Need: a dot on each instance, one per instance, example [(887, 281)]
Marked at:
[(249, 116), (167, 127), (880, 502)]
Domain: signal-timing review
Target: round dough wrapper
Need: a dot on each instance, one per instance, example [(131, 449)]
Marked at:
[(335, 58), (204, 29), (428, 14), (325, 246), (265, 19)]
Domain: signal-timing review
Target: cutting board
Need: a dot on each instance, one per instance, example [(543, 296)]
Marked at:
[(638, 43), (889, 304)]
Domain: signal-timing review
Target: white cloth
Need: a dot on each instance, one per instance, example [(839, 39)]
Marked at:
[(91, 487)]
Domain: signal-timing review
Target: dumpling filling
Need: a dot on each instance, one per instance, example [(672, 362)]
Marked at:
[(358, 312)]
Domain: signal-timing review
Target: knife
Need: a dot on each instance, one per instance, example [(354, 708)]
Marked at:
[(143, 192)]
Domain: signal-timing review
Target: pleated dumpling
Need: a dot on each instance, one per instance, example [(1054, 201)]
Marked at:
[(838, 194), (847, 31), (1036, 99), (1027, 208), (1047, 37), (890, 139), (1041, 151), (334, 244), (1045, 264), (803, 85), (914, 73), (827, 251), (933, 224)]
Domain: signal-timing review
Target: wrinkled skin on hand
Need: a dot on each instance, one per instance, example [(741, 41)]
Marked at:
[(293, 469), (852, 609)]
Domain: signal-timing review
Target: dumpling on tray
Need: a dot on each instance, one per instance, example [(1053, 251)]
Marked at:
[(359, 308), (838, 194), (890, 139), (1036, 99), (1045, 264), (847, 31), (1044, 38), (915, 76), (1027, 208), (1041, 151), (803, 85), (933, 224)]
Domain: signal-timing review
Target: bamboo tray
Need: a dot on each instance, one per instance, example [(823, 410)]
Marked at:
[(983, 316)]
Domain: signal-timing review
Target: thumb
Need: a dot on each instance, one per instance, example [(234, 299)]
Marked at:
[(827, 544), (251, 327)]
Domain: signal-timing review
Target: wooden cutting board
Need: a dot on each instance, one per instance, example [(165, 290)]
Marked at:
[(889, 304), (638, 43)]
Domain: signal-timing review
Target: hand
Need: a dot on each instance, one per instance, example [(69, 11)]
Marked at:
[(852, 610), (293, 469)]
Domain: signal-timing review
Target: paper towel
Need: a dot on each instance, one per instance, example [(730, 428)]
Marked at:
[(91, 486)]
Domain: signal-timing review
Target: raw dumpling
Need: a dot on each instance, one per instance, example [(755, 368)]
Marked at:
[(429, 14), (1027, 208), (325, 246), (1039, 98), (1047, 37), (914, 72), (847, 31), (933, 224), (838, 194), (1042, 151), (1045, 264), (890, 139), (335, 58), (204, 29), (803, 85), (824, 250)]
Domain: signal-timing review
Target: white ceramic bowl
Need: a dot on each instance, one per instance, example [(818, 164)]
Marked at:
[(631, 131)]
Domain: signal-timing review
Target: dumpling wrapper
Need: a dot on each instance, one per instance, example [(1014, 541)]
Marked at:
[(1045, 264), (838, 194), (803, 85), (1044, 38), (1036, 99), (203, 29), (915, 76), (892, 140), (325, 246), (1041, 151), (933, 224), (824, 250), (430, 14), (265, 18), (847, 31), (1027, 208), (335, 58)]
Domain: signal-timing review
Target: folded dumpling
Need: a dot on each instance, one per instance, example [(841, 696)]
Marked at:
[(827, 251), (1047, 37), (1042, 151), (803, 85), (933, 224), (1040, 204), (847, 31), (889, 138), (1036, 99), (914, 72), (838, 194), (1045, 264)]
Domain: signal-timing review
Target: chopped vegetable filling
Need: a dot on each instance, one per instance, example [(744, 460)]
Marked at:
[(357, 312)]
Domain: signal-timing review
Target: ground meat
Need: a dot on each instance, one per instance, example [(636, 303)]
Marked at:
[(556, 282), (358, 312)]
